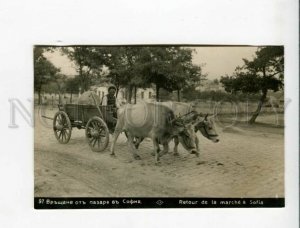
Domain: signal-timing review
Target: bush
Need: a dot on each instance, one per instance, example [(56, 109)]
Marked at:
[(192, 95)]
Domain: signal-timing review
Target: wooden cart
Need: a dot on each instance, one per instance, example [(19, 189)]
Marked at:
[(98, 122)]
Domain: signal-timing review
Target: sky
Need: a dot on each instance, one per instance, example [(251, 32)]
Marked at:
[(219, 61), (216, 61), (62, 62)]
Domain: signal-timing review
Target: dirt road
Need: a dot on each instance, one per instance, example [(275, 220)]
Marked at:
[(247, 162)]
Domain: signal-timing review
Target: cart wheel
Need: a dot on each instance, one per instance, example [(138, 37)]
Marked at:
[(97, 134), (62, 127)]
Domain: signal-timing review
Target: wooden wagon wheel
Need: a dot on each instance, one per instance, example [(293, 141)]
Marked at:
[(97, 134), (62, 127)]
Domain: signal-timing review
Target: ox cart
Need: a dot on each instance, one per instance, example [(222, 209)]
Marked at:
[(98, 122)]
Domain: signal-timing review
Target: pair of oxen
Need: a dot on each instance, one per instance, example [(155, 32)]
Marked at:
[(163, 122)]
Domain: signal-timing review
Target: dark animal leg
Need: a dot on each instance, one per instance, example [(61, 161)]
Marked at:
[(166, 148), (137, 141), (197, 145), (156, 150), (115, 137), (176, 142), (153, 152), (132, 147)]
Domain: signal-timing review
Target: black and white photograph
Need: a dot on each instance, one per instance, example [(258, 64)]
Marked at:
[(149, 113), (161, 122)]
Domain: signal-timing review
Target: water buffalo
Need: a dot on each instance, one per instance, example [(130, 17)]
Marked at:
[(154, 121)]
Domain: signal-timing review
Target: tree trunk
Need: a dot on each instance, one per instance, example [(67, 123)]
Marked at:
[(260, 104), (157, 93), (129, 94), (178, 95), (81, 76), (135, 94), (117, 90), (71, 98), (39, 93), (59, 97)]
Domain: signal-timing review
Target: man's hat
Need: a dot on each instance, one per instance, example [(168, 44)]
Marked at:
[(112, 87)]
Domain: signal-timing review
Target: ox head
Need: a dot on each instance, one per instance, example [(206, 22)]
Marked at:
[(207, 128), (186, 134)]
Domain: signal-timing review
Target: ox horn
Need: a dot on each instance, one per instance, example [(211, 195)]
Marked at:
[(206, 116), (214, 115)]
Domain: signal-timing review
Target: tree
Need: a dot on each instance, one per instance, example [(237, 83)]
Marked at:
[(60, 81), (89, 62), (72, 86), (126, 66), (265, 72), (171, 68), (157, 68), (216, 81), (185, 75), (135, 67), (44, 71)]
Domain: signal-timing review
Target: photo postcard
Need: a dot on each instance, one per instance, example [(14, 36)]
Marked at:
[(158, 126)]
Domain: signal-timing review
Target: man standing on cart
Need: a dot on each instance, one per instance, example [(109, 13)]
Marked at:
[(110, 101)]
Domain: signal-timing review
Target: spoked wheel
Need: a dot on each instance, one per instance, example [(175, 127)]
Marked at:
[(62, 127), (97, 134)]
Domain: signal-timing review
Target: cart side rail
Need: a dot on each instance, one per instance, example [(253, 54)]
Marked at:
[(82, 112)]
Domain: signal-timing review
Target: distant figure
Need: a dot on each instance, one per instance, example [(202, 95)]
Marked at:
[(44, 100), (65, 100)]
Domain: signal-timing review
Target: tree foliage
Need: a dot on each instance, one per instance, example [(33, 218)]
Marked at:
[(125, 64), (89, 62), (170, 68), (73, 84), (44, 70), (265, 72), (131, 67)]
